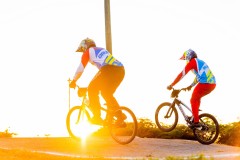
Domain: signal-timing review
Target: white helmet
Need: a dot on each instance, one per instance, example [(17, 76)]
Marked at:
[(85, 44)]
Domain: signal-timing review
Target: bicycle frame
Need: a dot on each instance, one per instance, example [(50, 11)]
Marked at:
[(85, 106), (180, 105)]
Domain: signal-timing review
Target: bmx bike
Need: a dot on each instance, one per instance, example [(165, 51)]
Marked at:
[(166, 118), (122, 134)]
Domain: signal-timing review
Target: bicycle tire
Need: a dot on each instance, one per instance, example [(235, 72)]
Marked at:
[(210, 131), (124, 135), (74, 128), (166, 123)]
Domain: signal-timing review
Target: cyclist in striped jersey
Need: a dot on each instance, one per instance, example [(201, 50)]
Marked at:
[(106, 81), (205, 81)]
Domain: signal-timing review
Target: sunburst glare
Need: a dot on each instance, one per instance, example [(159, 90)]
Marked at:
[(86, 129)]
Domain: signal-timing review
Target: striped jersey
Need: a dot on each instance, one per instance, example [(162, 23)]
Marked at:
[(200, 69), (97, 56)]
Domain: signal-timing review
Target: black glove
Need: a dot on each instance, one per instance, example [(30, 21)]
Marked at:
[(189, 88), (72, 84), (169, 87)]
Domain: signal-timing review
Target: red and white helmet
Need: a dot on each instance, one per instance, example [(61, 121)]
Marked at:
[(85, 44)]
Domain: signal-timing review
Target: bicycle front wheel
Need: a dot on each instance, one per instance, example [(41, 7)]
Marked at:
[(126, 133), (77, 117), (209, 131), (166, 117)]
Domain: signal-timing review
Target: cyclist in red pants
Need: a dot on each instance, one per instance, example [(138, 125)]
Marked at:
[(105, 82), (205, 81)]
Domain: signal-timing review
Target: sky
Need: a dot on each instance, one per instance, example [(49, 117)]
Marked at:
[(39, 37)]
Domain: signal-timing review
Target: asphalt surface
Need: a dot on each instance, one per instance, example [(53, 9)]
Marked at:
[(106, 147)]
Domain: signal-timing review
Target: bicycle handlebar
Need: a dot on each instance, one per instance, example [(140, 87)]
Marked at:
[(82, 91), (81, 87), (175, 92)]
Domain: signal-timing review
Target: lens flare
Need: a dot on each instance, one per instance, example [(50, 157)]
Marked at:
[(86, 129)]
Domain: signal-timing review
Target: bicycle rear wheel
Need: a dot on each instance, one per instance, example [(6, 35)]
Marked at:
[(75, 121), (166, 117), (210, 129), (123, 134)]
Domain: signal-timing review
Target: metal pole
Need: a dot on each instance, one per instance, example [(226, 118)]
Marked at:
[(108, 33)]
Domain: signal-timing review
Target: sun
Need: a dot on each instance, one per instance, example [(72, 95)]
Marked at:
[(86, 129)]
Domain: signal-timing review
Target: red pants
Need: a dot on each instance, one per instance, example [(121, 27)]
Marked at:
[(199, 91)]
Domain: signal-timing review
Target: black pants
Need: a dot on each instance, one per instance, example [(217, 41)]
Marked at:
[(105, 82)]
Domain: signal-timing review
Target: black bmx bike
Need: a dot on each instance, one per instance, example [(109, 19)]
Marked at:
[(166, 118), (122, 134)]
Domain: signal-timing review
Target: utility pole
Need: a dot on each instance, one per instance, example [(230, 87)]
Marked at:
[(108, 33)]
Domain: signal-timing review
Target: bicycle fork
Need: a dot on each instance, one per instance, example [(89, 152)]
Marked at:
[(170, 111), (80, 114), (78, 118)]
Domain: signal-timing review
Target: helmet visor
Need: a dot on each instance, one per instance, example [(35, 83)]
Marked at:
[(184, 56), (80, 49)]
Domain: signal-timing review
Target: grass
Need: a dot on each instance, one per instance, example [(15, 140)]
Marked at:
[(194, 157)]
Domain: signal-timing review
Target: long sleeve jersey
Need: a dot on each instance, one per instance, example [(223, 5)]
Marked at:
[(97, 56), (200, 69)]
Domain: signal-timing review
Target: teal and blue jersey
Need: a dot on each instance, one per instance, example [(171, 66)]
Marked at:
[(200, 69)]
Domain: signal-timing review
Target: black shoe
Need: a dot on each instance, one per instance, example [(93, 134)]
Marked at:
[(122, 117), (197, 125), (97, 120), (120, 124), (120, 121)]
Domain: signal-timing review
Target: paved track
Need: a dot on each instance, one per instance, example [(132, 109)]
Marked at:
[(106, 147)]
